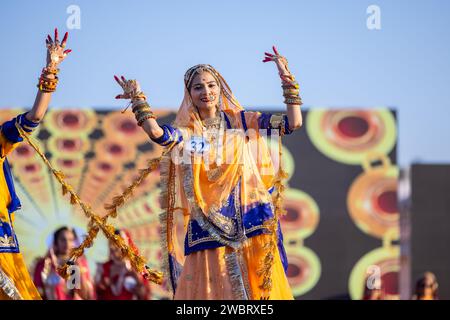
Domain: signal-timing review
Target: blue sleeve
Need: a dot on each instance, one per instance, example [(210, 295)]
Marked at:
[(169, 136), (271, 121), (10, 131)]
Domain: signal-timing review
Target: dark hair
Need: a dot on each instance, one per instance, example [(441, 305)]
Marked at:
[(420, 286), (59, 231)]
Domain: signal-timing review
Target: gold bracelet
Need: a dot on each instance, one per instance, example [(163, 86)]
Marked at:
[(144, 110), (146, 117), (140, 107), (293, 101), (291, 92), (138, 103), (291, 96), (47, 85), (293, 85), (142, 114)]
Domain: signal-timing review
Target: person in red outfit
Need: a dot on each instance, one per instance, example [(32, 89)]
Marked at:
[(50, 285), (116, 280)]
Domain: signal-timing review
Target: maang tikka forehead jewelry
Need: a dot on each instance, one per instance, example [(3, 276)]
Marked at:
[(197, 69)]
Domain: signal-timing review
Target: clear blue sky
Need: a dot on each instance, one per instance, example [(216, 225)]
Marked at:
[(338, 61)]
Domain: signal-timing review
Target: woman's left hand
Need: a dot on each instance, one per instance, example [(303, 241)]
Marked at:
[(281, 62), (131, 88)]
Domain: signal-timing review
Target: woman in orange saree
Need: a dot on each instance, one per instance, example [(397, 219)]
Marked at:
[(15, 281), (218, 174)]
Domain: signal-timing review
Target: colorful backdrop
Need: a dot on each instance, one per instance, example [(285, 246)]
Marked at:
[(342, 221)]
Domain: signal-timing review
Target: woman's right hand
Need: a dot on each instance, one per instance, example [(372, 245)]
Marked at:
[(55, 50)]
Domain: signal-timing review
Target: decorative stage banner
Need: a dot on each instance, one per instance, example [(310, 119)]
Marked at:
[(341, 229)]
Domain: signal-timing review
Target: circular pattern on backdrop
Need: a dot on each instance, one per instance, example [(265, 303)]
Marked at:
[(304, 269), (372, 201), (386, 259), (123, 127), (64, 143), (71, 121), (302, 214), (347, 135)]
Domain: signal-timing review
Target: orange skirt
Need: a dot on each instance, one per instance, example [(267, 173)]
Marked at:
[(15, 269), (205, 277)]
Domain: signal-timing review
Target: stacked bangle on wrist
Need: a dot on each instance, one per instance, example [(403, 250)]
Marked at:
[(293, 101), (291, 92), (142, 111), (144, 117), (45, 83)]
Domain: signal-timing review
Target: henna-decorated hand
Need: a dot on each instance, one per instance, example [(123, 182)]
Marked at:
[(55, 50), (282, 65), (131, 89)]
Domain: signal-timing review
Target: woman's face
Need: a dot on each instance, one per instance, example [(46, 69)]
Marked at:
[(114, 252), (65, 242), (428, 285), (205, 91)]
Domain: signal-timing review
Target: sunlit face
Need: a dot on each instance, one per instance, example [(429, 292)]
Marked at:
[(428, 285), (65, 242), (205, 91)]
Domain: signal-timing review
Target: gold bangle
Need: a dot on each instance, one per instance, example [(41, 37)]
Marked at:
[(138, 103), (45, 89), (141, 107), (139, 114), (294, 85), (291, 95), (290, 92), (140, 96), (146, 117), (291, 89), (142, 114), (47, 85), (142, 110), (293, 98), (293, 101)]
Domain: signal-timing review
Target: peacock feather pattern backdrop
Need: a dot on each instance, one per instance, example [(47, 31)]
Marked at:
[(341, 220)]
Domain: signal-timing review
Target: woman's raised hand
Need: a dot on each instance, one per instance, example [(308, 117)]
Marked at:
[(131, 88), (282, 65), (56, 52)]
